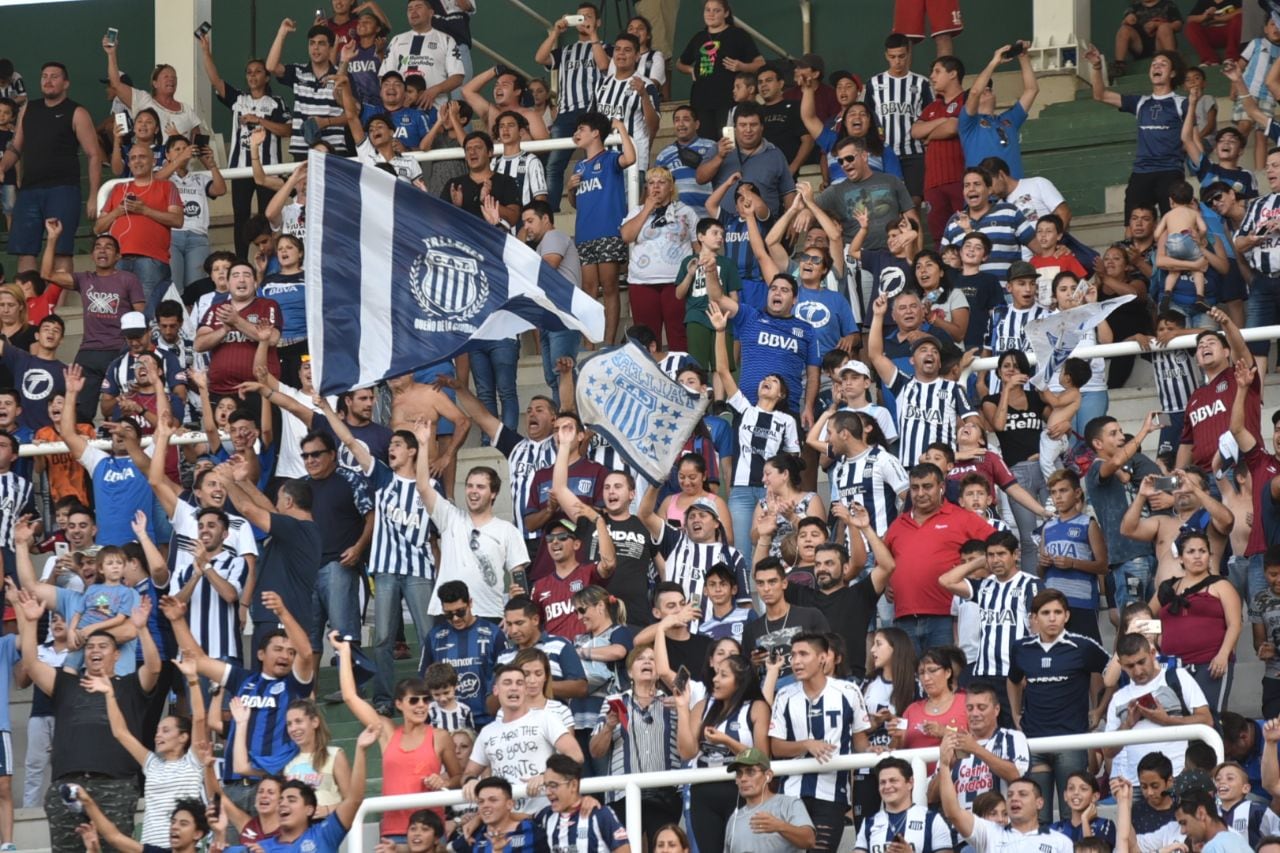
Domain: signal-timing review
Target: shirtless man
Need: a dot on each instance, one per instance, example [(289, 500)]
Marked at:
[(508, 87), (411, 403), (1193, 508)]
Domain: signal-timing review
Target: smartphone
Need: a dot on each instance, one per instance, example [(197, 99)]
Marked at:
[(696, 600), (217, 804), (201, 140), (1014, 51), (113, 36), (1146, 626), (1163, 419), (775, 654), (575, 20), (1165, 484), (521, 579), (682, 680), (61, 549), (1148, 701), (203, 30), (319, 14), (1202, 306), (122, 123), (726, 132)]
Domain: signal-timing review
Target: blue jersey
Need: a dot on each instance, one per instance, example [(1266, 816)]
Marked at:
[(737, 246), (1159, 131), (984, 136), (565, 663), (120, 490), (598, 832), (829, 313), (289, 290), (782, 345), (470, 651), (1241, 181), (1055, 698), (323, 837), (270, 747), (1070, 538), (523, 837), (409, 125), (601, 197)]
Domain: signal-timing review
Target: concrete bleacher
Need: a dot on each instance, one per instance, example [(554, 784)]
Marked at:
[(1084, 147)]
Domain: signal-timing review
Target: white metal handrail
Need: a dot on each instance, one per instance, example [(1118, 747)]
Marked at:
[(537, 146), (1262, 333), (762, 38), (53, 448), (633, 783)]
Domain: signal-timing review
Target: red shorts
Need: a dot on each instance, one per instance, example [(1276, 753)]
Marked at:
[(944, 17)]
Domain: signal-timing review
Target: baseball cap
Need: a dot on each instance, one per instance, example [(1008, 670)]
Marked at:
[(134, 321), (857, 367), (1191, 780), (842, 74), (1022, 269), (392, 73), (368, 13), (752, 757), (706, 505), (562, 522), (926, 339)]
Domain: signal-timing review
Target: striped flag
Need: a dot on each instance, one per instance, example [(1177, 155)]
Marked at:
[(1053, 337), (398, 279), (642, 412)]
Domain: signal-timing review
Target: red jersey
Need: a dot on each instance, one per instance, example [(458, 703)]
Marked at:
[(139, 234), (1209, 416), (554, 595), (989, 465), (231, 362), (342, 33), (39, 307), (943, 158), (923, 559), (1263, 468)]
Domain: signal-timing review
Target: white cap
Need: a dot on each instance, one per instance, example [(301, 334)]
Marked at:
[(134, 321), (857, 367)]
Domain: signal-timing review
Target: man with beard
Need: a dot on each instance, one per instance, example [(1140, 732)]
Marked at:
[(211, 585), (481, 183), (849, 609), (584, 477), (1023, 832)]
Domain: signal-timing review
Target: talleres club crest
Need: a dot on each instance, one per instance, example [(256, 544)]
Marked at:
[(450, 286)]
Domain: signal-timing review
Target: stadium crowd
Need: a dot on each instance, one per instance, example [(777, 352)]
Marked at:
[(946, 583)]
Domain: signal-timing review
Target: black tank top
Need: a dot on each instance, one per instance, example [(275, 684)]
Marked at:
[(50, 150)]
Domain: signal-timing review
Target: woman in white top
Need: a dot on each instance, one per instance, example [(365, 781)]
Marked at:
[(660, 234), (175, 116), (946, 304), (319, 763)]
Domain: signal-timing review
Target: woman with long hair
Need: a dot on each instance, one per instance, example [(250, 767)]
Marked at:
[(536, 666), (1200, 616), (856, 121), (659, 232), (784, 504), (416, 756), (636, 733), (1017, 416), (603, 649), (146, 131), (1094, 399), (712, 56), (945, 305), (1113, 279), (14, 327), (650, 63), (319, 763), (889, 690), (732, 717), (691, 474)]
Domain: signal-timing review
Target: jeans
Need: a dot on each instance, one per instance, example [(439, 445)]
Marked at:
[(742, 507), (36, 764), (493, 366), (116, 797), (94, 363), (562, 128), (1133, 580), (243, 192), (927, 632), (187, 251), (336, 601), (1262, 309), (557, 345), (389, 591), (1031, 478), (1247, 577), (1058, 766), (154, 276), (1093, 404)]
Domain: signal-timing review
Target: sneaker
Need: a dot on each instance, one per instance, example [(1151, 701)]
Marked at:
[(10, 847)]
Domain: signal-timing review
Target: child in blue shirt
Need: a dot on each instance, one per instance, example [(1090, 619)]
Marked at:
[(104, 606)]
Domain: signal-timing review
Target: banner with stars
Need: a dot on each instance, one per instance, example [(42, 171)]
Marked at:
[(644, 414), (1052, 338)]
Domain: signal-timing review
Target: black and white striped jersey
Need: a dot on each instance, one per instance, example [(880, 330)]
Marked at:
[(897, 103)]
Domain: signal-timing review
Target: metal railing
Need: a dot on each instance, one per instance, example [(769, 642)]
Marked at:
[(53, 448), (536, 146), (1188, 341), (761, 38), (632, 784)]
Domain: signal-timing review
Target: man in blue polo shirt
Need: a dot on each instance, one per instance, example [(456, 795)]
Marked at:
[(1005, 225), (1049, 674), (775, 341)]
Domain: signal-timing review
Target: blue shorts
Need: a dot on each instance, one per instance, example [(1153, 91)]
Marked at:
[(33, 208)]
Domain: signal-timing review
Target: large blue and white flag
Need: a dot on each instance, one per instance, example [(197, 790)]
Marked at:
[(1052, 338), (647, 416), (398, 279)]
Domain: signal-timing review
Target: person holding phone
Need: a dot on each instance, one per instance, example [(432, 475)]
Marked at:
[(983, 133), (175, 116)]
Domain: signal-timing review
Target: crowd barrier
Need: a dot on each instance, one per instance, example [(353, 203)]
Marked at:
[(632, 784), (53, 448), (537, 146)]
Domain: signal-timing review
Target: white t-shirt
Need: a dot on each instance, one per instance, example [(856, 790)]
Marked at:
[(486, 568), (184, 119), (555, 708), (1035, 197), (519, 750), (656, 254), (991, 837), (193, 187), (407, 168), (968, 625), (186, 529), (292, 431), (1126, 761)]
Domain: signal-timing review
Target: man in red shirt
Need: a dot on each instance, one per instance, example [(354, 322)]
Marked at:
[(230, 332), (939, 128), (140, 214), (1209, 407), (921, 607), (553, 592)]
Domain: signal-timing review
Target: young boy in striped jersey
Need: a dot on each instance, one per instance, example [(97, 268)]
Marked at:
[(446, 711)]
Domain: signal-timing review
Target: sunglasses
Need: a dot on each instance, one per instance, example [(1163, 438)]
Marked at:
[(313, 454), (417, 700), (581, 609), (455, 615), (475, 540), (813, 259), (848, 160), (558, 537)]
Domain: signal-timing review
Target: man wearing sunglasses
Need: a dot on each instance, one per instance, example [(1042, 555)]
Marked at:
[(466, 643), (983, 132)]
